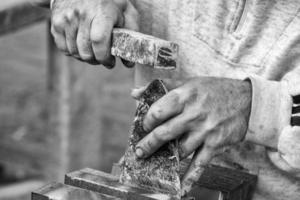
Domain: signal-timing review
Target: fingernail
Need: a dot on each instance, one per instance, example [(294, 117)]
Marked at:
[(184, 189), (133, 91), (139, 152)]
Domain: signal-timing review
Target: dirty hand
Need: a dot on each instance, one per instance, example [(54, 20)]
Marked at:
[(204, 114), (83, 28)]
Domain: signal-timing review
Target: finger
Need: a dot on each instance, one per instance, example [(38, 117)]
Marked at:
[(172, 84), (170, 130), (189, 142), (131, 21), (71, 32), (200, 159), (101, 39), (136, 93), (127, 64), (163, 109), (60, 41), (83, 41), (58, 32), (101, 31)]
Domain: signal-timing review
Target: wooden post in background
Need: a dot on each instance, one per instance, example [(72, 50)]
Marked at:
[(58, 108), (88, 111)]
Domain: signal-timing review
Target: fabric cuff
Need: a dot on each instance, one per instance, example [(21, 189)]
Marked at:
[(288, 156), (270, 111)]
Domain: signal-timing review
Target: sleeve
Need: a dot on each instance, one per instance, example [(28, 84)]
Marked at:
[(275, 114)]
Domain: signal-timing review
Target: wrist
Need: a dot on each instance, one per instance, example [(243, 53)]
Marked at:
[(270, 111)]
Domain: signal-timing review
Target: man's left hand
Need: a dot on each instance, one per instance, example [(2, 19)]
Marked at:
[(205, 114)]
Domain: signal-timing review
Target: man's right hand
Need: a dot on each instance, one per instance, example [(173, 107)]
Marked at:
[(83, 28)]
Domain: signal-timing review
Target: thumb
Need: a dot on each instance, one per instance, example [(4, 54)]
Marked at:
[(136, 93), (201, 158)]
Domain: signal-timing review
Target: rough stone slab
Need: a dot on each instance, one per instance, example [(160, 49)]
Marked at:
[(104, 183), (144, 49), (159, 172), (59, 191)]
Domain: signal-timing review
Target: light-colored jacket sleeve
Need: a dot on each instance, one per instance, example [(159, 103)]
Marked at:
[(274, 107)]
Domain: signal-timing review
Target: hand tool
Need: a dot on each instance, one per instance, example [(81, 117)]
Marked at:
[(144, 49), (158, 173)]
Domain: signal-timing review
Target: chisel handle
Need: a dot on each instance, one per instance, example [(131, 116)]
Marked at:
[(144, 49)]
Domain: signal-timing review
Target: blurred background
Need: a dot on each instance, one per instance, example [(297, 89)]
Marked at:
[(56, 114)]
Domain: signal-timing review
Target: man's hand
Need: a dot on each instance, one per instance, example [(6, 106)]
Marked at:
[(205, 114), (82, 28)]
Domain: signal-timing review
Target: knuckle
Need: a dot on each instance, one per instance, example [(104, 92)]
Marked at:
[(98, 38), (70, 15), (174, 96), (156, 113), (59, 22), (163, 135), (159, 136)]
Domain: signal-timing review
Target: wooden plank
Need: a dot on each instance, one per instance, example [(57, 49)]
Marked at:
[(59, 191), (104, 183), (17, 14), (233, 184), (19, 189)]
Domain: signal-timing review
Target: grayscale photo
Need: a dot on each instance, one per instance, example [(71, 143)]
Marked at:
[(149, 100)]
